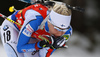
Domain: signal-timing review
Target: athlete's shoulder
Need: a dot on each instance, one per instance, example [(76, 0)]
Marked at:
[(32, 12)]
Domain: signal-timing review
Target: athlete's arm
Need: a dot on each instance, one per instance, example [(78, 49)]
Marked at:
[(26, 32), (24, 37)]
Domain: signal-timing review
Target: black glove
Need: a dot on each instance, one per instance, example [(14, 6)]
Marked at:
[(58, 42), (46, 43)]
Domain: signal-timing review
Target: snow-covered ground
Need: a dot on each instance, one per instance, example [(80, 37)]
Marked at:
[(77, 48), (2, 51)]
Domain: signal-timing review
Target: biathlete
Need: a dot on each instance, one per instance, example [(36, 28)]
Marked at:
[(24, 41)]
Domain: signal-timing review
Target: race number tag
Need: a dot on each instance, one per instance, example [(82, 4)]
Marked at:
[(28, 30)]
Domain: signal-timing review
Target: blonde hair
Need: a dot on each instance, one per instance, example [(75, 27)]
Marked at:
[(62, 9)]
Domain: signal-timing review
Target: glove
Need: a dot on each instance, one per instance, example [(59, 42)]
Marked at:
[(44, 44), (58, 42), (48, 43)]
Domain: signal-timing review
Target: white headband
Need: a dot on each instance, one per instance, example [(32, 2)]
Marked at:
[(59, 20)]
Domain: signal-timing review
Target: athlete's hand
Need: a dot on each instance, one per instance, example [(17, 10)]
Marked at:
[(59, 42), (44, 44), (48, 43)]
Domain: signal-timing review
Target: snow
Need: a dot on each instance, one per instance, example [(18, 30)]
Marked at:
[(2, 51)]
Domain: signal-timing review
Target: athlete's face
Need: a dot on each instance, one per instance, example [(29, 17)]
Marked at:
[(54, 31)]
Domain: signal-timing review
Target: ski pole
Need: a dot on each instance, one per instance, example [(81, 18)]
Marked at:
[(3, 16)]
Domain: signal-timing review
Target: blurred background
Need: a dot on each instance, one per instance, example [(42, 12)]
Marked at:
[(85, 40)]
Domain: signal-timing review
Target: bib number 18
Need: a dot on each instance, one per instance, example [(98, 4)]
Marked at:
[(7, 35)]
